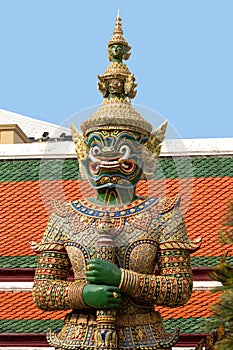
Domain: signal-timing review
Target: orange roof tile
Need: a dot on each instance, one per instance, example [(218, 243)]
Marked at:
[(19, 305), (198, 306), (26, 206)]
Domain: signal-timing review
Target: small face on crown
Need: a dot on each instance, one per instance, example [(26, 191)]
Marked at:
[(116, 52), (114, 158), (115, 86)]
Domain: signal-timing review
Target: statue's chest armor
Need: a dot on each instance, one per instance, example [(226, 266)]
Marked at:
[(135, 238)]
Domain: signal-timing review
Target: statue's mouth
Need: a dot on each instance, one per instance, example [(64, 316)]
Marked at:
[(118, 161), (125, 165)]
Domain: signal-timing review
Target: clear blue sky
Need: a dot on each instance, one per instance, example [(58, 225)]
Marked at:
[(182, 57)]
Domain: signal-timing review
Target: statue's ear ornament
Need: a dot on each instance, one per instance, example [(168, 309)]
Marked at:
[(152, 148), (129, 86), (80, 148)]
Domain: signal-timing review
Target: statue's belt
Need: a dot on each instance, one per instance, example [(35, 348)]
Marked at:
[(89, 317)]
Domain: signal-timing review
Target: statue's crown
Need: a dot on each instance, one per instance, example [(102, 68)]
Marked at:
[(117, 85), (116, 114)]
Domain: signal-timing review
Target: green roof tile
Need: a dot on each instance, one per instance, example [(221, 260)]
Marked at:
[(31, 261), (194, 167), (208, 261), (29, 326), (186, 325), (167, 167), (18, 261), (32, 170)]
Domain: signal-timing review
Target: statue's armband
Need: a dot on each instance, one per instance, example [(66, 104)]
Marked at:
[(51, 290)]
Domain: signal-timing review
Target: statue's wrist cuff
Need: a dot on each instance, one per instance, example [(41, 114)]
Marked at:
[(75, 295), (129, 283)]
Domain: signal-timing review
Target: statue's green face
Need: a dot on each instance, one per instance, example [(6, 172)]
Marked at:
[(116, 51), (114, 158)]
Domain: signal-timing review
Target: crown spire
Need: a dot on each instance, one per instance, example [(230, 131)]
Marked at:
[(117, 82), (118, 39), (118, 13), (118, 27), (117, 85)]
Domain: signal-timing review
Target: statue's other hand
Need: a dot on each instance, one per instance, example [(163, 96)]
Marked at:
[(103, 272), (100, 296)]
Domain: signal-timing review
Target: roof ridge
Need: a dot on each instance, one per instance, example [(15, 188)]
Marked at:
[(31, 126)]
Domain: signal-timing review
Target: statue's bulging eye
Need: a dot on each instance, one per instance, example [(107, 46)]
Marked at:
[(96, 150), (124, 148)]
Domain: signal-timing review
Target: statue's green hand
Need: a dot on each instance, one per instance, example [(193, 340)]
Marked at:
[(103, 272), (99, 296)]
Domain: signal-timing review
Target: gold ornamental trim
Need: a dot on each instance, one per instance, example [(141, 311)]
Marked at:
[(40, 247), (139, 319), (116, 114), (117, 68), (189, 246)]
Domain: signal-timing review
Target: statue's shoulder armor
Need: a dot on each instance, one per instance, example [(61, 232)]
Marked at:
[(168, 203), (163, 205), (62, 209), (173, 233)]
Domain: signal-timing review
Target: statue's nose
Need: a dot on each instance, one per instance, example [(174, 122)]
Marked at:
[(107, 149)]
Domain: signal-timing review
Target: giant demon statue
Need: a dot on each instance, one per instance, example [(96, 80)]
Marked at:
[(115, 241)]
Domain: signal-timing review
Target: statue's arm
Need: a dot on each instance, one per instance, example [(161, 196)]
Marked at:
[(51, 290), (169, 289), (173, 285)]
